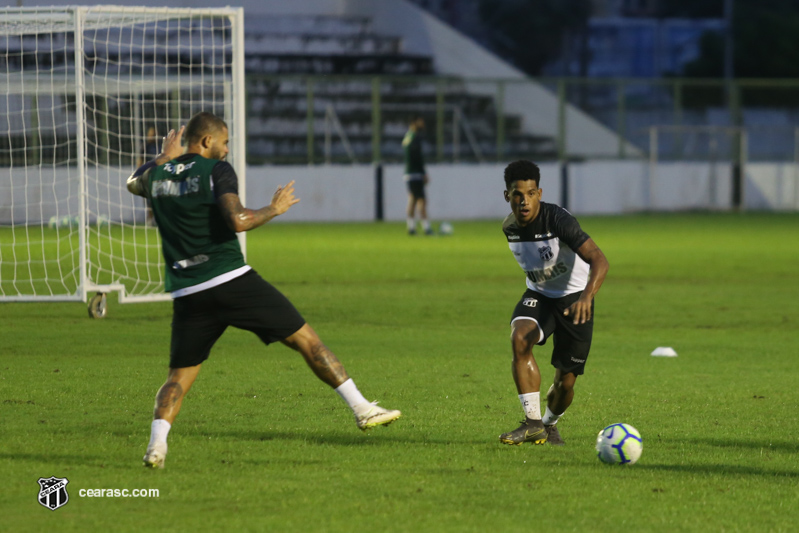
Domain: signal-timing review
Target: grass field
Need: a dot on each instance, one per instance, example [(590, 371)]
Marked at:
[(422, 325)]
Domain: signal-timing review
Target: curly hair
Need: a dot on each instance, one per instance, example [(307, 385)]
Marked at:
[(522, 170)]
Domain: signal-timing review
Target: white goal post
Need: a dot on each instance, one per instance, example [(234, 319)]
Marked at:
[(86, 95)]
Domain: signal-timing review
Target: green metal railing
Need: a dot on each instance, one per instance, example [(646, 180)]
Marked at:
[(620, 105), (374, 111)]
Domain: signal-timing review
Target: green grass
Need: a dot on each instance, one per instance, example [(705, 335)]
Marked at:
[(422, 325), (43, 260)]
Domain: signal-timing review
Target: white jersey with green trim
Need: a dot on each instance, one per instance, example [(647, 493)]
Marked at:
[(545, 250)]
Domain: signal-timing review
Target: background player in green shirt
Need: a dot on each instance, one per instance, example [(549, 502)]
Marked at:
[(195, 200), (415, 176)]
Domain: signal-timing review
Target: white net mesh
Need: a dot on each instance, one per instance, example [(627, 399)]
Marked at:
[(86, 95)]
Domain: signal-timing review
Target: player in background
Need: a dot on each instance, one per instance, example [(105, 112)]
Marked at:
[(415, 176), (150, 145), (565, 269), (194, 196)]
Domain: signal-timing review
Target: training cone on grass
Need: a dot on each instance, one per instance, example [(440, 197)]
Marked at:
[(664, 351)]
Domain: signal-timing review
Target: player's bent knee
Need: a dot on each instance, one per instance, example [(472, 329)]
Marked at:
[(525, 335), (303, 340)]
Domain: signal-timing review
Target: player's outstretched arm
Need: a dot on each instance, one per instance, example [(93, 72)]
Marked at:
[(172, 148), (580, 311), (239, 218)]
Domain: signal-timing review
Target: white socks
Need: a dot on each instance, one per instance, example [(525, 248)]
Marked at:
[(158, 432), (531, 404), (550, 418), (350, 394), (412, 224)]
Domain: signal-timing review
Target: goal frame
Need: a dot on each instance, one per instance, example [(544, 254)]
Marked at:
[(74, 19), (737, 160)]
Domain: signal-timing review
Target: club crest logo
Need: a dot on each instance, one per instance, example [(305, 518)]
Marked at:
[(530, 302), (546, 253), (53, 492)]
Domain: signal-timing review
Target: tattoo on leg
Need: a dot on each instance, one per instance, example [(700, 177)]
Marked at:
[(168, 395), (327, 366)]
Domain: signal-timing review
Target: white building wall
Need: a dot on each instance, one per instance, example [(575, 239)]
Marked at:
[(455, 192)]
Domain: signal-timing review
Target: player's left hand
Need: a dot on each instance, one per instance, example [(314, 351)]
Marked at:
[(172, 147), (284, 198), (580, 311)]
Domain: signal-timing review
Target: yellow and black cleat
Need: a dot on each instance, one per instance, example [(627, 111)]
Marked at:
[(530, 431)]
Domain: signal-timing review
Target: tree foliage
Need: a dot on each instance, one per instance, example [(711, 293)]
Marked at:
[(530, 32), (764, 42)]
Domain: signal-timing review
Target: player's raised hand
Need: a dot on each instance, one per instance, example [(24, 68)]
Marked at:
[(284, 198), (580, 311), (172, 146)]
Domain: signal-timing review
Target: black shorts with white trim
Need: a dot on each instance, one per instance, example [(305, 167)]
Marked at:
[(571, 342), (246, 302), (416, 189)]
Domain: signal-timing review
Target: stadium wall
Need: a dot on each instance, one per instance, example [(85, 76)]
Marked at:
[(456, 192), (469, 191)]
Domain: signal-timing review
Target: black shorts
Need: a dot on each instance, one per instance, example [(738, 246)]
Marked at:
[(247, 302), (571, 342), (416, 189)]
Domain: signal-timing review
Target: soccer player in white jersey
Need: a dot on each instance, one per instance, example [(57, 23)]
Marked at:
[(565, 269)]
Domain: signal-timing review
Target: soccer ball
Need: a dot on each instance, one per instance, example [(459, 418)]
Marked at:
[(445, 228), (619, 444), (68, 221)]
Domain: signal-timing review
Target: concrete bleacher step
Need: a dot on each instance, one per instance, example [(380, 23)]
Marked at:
[(300, 24), (320, 64), (292, 148), (322, 46)]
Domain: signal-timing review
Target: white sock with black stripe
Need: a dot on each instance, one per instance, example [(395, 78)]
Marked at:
[(531, 403)]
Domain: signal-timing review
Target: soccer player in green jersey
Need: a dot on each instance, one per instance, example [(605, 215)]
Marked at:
[(415, 176), (195, 200)]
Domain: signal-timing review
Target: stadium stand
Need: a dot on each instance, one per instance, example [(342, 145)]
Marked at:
[(341, 53)]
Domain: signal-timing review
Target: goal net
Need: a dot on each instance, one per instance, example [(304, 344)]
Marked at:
[(696, 167), (86, 95)]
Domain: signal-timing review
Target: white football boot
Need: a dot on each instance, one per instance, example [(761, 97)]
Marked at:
[(154, 458), (374, 416)]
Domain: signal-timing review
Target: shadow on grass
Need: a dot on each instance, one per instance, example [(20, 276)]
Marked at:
[(374, 437), (774, 446), (54, 458), (720, 469)]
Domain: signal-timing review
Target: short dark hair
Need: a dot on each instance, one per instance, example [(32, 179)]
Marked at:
[(522, 170), (202, 124)]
